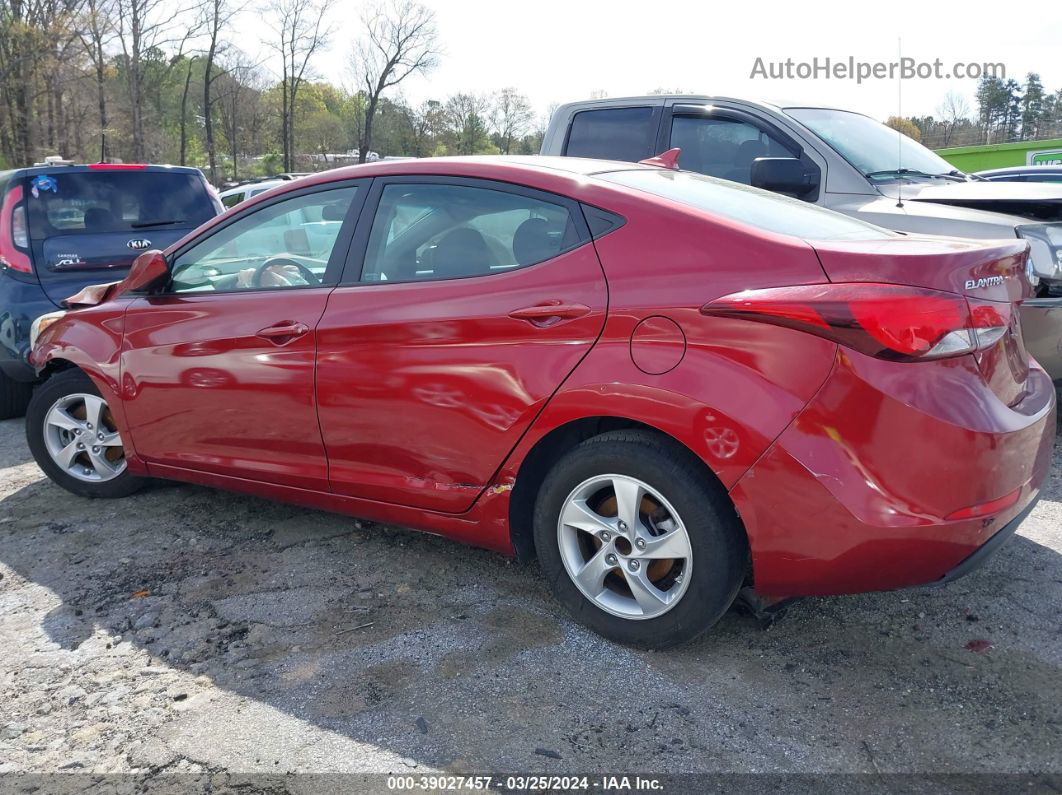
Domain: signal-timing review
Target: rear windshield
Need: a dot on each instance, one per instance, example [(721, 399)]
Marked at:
[(114, 201), (752, 206)]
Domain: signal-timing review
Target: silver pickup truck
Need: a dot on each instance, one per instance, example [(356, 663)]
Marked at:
[(838, 159)]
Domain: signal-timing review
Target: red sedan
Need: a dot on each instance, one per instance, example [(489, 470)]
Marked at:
[(663, 385)]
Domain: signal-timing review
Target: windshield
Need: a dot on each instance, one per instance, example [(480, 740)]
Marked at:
[(869, 145), (752, 206), (98, 202)]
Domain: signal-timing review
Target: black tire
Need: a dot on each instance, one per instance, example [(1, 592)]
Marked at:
[(14, 397), (717, 539), (70, 382)]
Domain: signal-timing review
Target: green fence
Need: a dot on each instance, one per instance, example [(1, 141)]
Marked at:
[(1018, 153)]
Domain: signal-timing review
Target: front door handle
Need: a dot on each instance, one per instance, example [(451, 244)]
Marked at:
[(549, 314), (283, 332)]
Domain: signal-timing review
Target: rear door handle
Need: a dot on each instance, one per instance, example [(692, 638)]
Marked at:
[(283, 332), (549, 314)]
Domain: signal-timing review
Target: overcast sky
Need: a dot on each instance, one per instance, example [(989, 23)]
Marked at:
[(562, 50)]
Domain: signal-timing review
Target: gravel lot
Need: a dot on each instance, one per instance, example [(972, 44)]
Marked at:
[(188, 630)]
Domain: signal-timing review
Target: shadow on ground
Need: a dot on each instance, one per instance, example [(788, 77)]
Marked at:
[(313, 631)]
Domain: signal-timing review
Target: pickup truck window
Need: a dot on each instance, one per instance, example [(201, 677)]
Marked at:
[(612, 134), (723, 148), (876, 150), (751, 206)]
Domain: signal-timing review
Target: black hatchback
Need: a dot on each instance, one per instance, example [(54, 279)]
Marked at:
[(61, 226)]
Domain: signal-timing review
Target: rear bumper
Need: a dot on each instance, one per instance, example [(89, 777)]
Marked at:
[(21, 302), (856, 494), (989, 548)]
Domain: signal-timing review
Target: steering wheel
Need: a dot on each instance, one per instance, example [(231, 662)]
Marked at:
[(307, 275)]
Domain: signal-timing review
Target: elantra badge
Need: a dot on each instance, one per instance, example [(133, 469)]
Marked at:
[(987, 281), (139, 244)]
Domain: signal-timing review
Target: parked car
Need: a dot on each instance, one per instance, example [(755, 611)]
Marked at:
[(837, 159), (62, 225), (666, 386), (230, 197), (1022, 174)]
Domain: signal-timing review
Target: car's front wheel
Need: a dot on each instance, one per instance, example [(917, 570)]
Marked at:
[(73, 437), (636, 542)]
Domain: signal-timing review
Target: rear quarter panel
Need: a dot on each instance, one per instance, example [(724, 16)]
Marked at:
[(733, 385)]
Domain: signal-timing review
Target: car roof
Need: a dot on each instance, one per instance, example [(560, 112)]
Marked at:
[(992, 172), (701, 99), (481, 165), (82, 168)]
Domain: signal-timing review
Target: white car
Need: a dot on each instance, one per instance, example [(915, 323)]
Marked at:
[(233, 196)]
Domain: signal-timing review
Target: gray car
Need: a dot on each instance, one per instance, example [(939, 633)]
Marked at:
[(841, 160), (1022, 174)]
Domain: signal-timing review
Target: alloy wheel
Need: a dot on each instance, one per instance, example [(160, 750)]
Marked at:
[(624, 546), (82, 439)]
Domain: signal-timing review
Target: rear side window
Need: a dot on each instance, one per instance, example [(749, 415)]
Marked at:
[(113, 201), (612, 134), (437, 231), (751, 206)]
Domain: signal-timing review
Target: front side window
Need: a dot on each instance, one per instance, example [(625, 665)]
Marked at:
[(283, 245), (723, 148), (612, 134), (437, 231)]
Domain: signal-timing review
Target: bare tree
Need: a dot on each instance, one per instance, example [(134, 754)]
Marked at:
[(952, 111), (143, 26), (511, 117), (97, 31), (239, 105), (468, 120), (183, 124), (218, 14), (400, 40), (301, 30)]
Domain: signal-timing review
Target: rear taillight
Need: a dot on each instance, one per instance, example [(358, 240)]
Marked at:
[(889, 321), (14, 234)]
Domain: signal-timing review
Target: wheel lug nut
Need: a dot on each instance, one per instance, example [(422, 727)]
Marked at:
[(610, 559), (632, 565), (80, 446), (640, 543), (622, 526), (88, 425), (96, 450), (77, 432), (99, 436), (606, 536)]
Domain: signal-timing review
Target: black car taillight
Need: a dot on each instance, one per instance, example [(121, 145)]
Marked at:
[(14, 233), (889, 321)]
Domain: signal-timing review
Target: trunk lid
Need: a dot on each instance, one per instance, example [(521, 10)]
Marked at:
[(991, 274)]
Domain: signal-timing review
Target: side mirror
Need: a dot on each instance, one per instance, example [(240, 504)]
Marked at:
[(147, 271), (782, 175)]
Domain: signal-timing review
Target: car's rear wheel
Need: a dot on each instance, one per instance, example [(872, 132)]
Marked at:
[(14, 397), (73, 437), (637, 542)]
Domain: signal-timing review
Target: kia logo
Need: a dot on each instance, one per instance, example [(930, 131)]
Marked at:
[(139, 244)]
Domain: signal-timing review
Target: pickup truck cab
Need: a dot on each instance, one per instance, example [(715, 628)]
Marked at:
[(840, 160)]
